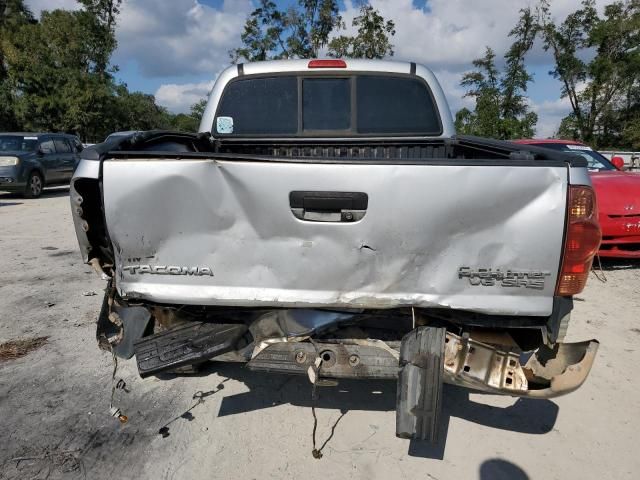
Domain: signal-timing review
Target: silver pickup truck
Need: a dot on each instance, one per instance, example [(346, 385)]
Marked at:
[(328, 222)]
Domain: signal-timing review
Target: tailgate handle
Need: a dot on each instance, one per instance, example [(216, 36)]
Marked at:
[(314, 206)]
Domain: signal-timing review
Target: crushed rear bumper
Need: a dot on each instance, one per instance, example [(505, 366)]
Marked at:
[(295, 341), (544, 373), (421, 362)]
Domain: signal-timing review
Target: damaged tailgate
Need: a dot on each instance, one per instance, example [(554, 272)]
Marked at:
[(460, 234)]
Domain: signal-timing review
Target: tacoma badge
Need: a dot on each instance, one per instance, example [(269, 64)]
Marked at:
[(168, 270)]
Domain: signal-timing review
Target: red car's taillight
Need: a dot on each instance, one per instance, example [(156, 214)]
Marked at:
[(581, 243)]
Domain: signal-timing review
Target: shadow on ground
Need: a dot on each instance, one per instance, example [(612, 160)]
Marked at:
[(51, 192), (4, 203), (611, 264), (499, 469), (527, 416)]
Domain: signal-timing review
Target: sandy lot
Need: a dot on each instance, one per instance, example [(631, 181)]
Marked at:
[(54, 402)]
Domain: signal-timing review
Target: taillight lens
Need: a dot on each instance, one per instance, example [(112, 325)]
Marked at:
[(581, 243)]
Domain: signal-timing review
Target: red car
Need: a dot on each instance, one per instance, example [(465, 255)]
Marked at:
[(618, 195)]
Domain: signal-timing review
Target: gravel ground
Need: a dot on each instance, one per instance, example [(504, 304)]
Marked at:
[(230, 423)]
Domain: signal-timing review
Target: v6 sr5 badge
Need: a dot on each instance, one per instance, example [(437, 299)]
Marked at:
[(508, 278)]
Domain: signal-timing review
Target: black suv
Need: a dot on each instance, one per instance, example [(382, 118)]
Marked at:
[(31, 161)]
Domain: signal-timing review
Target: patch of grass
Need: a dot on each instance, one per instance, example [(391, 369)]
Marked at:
[(19, 348)]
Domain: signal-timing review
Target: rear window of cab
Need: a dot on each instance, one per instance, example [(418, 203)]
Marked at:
[(355, 105)]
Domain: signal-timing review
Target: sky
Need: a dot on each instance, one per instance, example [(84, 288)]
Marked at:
[(175, 49)]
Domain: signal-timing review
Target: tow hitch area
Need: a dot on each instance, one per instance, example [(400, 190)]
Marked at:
[(425, 359), (292, 342), (543, 373)]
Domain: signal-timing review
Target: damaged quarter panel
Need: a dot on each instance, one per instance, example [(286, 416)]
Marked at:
[(485, 238), (87, 173)]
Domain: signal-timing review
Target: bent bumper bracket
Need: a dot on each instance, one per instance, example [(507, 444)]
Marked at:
[(419, 396)]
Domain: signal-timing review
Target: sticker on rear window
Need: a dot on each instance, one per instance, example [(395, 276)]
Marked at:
[(224, 124), (578, 147)]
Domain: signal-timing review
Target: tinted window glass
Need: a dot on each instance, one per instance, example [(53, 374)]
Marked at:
[(62, 146), (47, 147), (261, 106), (326, 104), (395, 105), (17, 143)]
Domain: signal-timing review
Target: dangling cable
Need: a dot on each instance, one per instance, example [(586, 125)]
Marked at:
[(600, 276)]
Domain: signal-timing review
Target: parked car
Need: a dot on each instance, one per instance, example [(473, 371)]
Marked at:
[(618, 197), (327, 221), (31, 161)]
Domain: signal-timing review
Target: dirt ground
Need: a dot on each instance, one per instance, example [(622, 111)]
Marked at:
[(231, 423)]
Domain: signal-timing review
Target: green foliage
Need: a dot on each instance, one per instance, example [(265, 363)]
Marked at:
[(516, 78), (191, 121), (631, 133), (197, 109), (372, 40), (311, 24), (52, 68), (101, 15), (501, 110), (136, 111), (568, 129), (597, 61), (304, 29), (262, 34), (299, 32), (56, 75), (13, 15)]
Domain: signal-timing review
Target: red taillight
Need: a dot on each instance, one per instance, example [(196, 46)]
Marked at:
[(581, 243), (327, 64)]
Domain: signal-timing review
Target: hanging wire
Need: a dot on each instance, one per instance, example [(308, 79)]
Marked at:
[(599, 275)]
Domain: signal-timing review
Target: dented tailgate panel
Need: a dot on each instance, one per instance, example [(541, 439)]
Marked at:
[(221, 232)]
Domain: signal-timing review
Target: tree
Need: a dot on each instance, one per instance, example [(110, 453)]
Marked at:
[(135, 111), (305, 29), (189, 122), (13, 15), (501, 110), (54, 67), (518, 121), (102, 16), (299, 32), (597, 61), (501, 107), (631, 133), (311, 23), (568, 128), (262, 33), (198, 108), (372, 40), (483, 85), (58, 74)]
